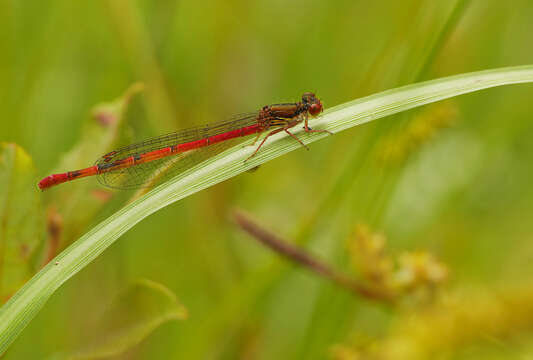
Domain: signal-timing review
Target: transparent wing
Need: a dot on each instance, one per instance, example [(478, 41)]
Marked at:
[(153, 172)]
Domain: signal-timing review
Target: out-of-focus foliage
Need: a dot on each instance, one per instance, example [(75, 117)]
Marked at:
[(453, 178), (422, 129), (133, 314), (21, 220), (496, 322), (410, 274)]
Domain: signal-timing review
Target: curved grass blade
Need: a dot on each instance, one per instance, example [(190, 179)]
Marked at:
[(22, 307), (135, 312)]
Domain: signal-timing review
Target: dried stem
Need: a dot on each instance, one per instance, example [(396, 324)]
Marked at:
[(301, 257)]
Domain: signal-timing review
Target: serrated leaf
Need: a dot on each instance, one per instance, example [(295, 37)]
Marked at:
[(20, 219)]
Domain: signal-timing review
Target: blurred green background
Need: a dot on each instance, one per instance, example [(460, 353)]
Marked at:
[(451, 179)]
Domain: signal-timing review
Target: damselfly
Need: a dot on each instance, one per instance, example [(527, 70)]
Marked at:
[(145, 163)]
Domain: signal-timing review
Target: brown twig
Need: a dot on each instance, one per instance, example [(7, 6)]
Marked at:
[(301, 257), (54, 228)]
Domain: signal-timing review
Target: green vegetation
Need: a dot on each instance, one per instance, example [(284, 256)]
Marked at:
[(430, 205)]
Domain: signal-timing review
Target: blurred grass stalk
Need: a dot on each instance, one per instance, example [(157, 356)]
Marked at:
[(24, 305), (305, 259)]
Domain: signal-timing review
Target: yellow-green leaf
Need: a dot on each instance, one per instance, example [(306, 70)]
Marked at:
[(20, 219)]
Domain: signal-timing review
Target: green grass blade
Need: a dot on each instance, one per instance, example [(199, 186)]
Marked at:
[(23, 306)]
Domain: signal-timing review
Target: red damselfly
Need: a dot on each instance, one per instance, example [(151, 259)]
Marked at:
[(145, 163)]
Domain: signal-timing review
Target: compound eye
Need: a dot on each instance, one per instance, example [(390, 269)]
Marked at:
[(315, 109)]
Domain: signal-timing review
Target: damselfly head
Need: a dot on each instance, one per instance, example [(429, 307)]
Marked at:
[(314, 105)]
